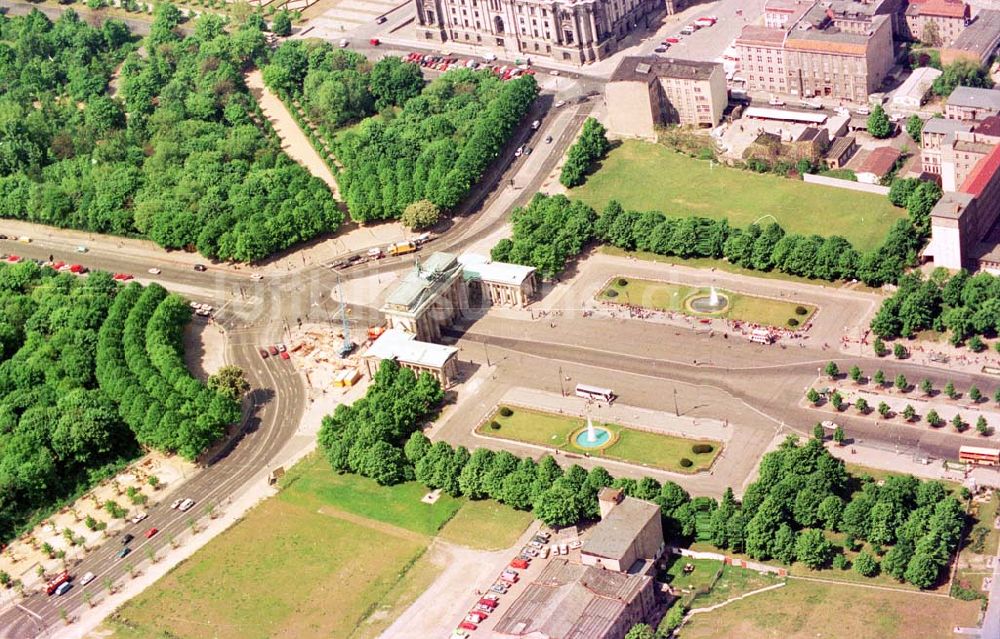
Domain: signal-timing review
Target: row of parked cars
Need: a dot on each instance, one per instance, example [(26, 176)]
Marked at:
[(689, 29), (62, 582), (444, 63), (489, 602), (274, 350)]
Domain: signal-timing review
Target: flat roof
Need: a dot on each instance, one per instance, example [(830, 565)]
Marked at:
[(405, 348), (946, 125), (981, 36), (645, 68), (781, 114), (973, 97), (951, 205), (570, 601), (614, 535), (754, 34), (475, 266)]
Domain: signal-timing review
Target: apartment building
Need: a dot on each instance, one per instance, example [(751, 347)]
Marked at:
[(938, 133), (964, 150), (936, 22), (972, 104)]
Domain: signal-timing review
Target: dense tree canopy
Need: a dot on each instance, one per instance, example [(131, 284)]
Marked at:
[(961, 73), (547, 233), (590, 147), (88, 372), (192, 166)]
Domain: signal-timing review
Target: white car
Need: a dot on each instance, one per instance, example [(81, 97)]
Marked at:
[(560, 103), (519, 152), (176, 504), (186, 504), (139, 517), (776, 101), (154, 271), (256, 277), (87, 578)]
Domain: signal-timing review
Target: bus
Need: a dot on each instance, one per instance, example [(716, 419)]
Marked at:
[(595, 393), (979, 456)]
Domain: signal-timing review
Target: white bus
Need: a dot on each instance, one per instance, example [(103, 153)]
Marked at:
[(979, 456), (595, 392)]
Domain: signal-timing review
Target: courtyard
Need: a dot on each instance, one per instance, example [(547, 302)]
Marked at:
[(569, 433), (678, 298), (679, 185)]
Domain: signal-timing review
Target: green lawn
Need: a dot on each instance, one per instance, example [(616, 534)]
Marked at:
[(665, 296), (317, 486), (813, 610), (678, 185), (486, 525), (632, 446), (733, 583)]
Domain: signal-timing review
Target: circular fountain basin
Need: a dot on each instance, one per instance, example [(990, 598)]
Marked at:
[(703, 303), (601, 437)]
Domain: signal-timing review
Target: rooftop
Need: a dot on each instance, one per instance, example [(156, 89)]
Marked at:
[(570, 601), (974, 98), (765, 113), (945, 126), (939, 8), (918, 83), (421, 285), (982, 174), (951, 205), (981, 36), (613, 535), (756, 34), (989, 126), (404, 347), (840, 146), (483, 268), (879, 162), (643, 69)]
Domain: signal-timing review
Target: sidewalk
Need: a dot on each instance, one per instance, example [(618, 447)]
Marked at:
[(905, 463)]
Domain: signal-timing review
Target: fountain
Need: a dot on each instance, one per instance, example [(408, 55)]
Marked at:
[(592, 436), (713, 302)]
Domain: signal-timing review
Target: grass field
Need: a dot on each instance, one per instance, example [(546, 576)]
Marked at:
[(665, 296), (486, 525), (815, 610), (632, 446), (331, 556), (678, 185)]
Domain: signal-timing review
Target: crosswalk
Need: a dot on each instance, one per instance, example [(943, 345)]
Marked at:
[(339, 20)]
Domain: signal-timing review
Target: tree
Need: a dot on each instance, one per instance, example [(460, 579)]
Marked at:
[(926, 387), (557, 507), (420, 214), (961, 73), (975, 394), (901, 382), (589, 147), (865, 565), (640, 631), (981, 426), (949, 390), (861, 405), (836, 400), (812, 396), (958, 422), (933, 418), (879, 347), (813, 549), (393, 82), (855, 374), (976, 344), (996, 396), (879, 125), (818, 432), (914, 127), (230, 381), (899, 351), (922, 570), (838, 435), (281, 24), (884, 410), (879, 378), (831, 370), (829, 511)]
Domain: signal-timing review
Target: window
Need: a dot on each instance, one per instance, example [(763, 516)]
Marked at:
[(565, 55)]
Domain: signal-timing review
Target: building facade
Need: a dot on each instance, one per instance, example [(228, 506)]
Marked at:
[(972, 104), (962, 220), (646, 92), (831, 49), (438, 360), (936, 22), (577, 32), (964, 149), (978, 42), (428, 299), (497, 283), (937, 134)]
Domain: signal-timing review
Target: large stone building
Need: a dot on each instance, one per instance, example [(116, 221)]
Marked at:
[(576, 31), (936, 22), (428, 299), (978, 42), (500, 284), (439, 360), (833, 49), (604, 595), (646, 92)]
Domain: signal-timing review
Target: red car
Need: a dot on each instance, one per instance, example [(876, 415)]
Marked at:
[(467, 625), (519, 563), (672, 40), (374, 42), (263, 354), (151, 532), (284, 355), (489, 603), (272, 349)]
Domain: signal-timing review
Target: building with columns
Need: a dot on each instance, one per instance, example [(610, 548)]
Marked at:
[(501, 284), (575, 31), (428, 299), (421, 357)]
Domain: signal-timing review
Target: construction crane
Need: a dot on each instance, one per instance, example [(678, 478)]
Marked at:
[(348, 345)]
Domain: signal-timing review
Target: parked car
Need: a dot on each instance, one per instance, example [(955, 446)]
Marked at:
[(343, 42), (475, 617), (139, 517), (381, 20), (776, 101), (672, 40), (201, 268), (284, 355), (660, 49), (151, 532), (263, 355), (863, 110), (560, 103), (489, 603), (484, 610), (548, 139), (81, 249), (499, 588), (63, 587), (374, 42), (128, 538), (272, 349), (519, 152), (256, 277), (87, 578), (467, 625), (177, 502), (519, 563)]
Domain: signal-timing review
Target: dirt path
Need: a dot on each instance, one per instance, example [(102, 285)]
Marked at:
[(293, 141), (380, 526)]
